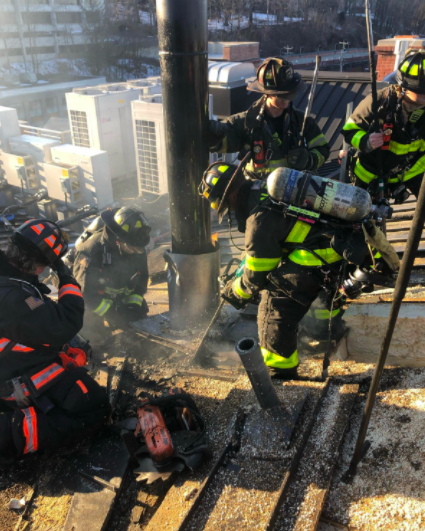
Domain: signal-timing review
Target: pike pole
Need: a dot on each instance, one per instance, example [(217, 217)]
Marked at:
[(376, 126), (399, 292), (310, 98)]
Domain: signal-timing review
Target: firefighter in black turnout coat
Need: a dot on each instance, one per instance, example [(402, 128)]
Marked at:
[(271, 127), (280, 265), (110, 264), (402, 137), (47, 399)]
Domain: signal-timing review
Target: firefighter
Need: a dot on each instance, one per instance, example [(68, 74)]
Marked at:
[(47, 399), (272, 239), (402, 137), (110, 263), (271, 128)]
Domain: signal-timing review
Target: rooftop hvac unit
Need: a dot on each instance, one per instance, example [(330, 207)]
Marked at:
[(39, 148), (20, 171), (146, 86), (9, 126), (63, 184), (100, 118), (227, 83), (149, 133), (94, 174)]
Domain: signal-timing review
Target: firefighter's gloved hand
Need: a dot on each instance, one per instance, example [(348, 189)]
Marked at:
[(216, 132), (230, 296), (300, 159), (64, 273)]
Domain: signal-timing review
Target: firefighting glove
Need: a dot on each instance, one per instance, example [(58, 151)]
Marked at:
[(230, 296), (300, 159), (216, 132), (64, 273)]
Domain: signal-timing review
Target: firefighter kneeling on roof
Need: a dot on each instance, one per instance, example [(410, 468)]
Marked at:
[(47, 399), (111, 266)]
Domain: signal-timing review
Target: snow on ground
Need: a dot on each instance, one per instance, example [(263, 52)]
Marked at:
[(79, 67), (258, 18)]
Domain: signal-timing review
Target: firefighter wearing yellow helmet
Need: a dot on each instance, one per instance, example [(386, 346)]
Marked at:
[(402, 136), (111, 266)]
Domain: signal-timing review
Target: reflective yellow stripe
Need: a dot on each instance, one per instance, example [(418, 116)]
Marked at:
[(306, 258), (320, 140), (350, 125), (261, 264), (404, 66), (237, 288), (415, 170), (414, 70), (323, 314), (419, 167), (377, 255), (355, 141), (320, 157), (103, 307), (403, 149), (134, 299), (363, 174), (299, 232), (279, 362)]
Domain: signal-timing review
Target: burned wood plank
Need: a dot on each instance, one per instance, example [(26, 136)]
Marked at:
[(309, 486), (189, 501)]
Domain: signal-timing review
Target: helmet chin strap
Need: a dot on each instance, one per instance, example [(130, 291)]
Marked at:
[(400, 100), (230, 230)]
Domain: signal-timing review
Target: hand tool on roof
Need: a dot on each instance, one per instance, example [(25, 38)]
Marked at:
[(376, 125), (310, 99), (399, 292), (173, 435)]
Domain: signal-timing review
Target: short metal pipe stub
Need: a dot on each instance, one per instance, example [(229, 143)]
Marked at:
[(249, 352)]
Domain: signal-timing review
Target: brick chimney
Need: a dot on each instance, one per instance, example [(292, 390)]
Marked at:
[(386, 51)]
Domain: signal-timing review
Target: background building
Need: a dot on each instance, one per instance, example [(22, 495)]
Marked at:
[(38, 30), (38, 102)]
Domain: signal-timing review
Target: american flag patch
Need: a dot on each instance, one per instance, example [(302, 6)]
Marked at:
[(34, 303)]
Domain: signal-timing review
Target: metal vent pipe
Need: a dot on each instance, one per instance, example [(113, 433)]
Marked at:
[(183, 52), (193, 263)]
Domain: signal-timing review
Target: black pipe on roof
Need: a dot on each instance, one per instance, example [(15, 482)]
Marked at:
[(183, 51)]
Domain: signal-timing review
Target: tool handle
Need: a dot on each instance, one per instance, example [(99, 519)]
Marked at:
[(310, 99)]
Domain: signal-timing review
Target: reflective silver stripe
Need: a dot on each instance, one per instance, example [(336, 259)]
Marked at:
[(134, 299), (46, 375), (30, 430), (3, 344), (69, 288), (103, 307)]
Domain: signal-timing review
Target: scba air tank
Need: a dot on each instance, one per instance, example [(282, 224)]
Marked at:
[(329, 197)]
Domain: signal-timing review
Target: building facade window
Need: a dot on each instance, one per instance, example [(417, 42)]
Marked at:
[(68, 18), (30, 17), (35, 108), (52, 105)]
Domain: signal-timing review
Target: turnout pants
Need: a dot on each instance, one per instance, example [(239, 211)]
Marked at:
[(78, 405), (285, 301)]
